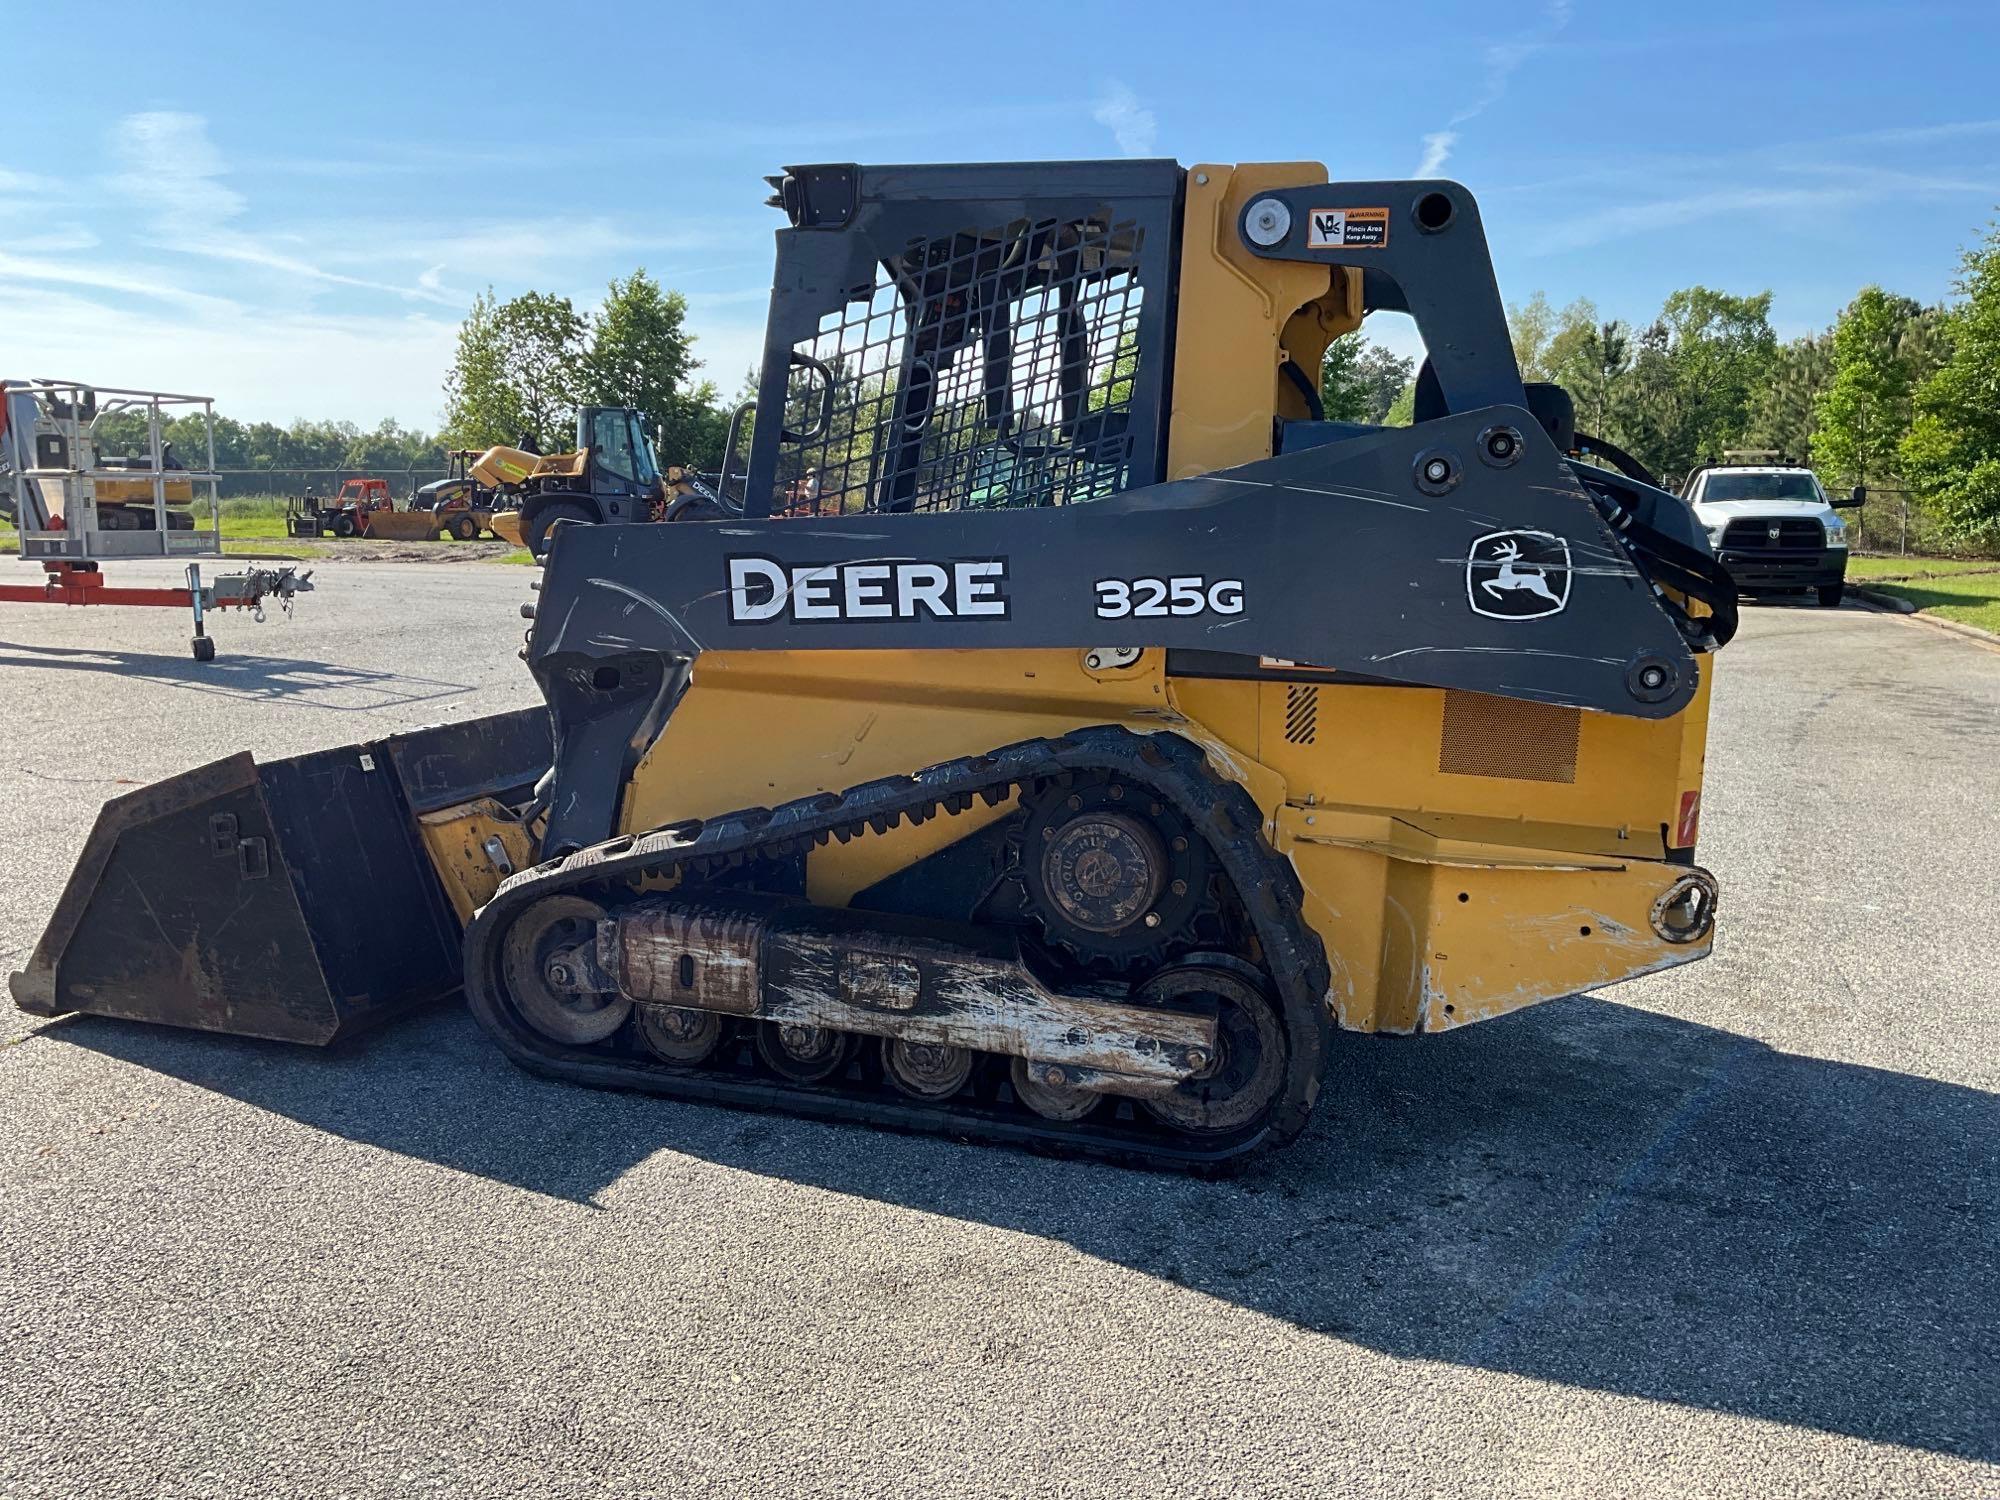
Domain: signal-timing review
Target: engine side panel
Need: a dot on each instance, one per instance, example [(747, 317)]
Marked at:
[(1502, 891)]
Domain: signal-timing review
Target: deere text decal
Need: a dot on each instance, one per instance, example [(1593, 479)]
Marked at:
[(761, 588)]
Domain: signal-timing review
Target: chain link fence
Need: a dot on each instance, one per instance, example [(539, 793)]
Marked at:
[(253, 489), (1895, 524)]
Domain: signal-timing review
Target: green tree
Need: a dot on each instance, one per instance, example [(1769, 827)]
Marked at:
[(1951, 456), (1593, 358), (1924, 344), (519, 368), (1694, 372), (480, 408), (1784, 413), (544, 349), (1532, 325), (1544, 339), (641, 355), (1385, 375), (1360, 380), (527, 364), (392, 446), (1864, 411)]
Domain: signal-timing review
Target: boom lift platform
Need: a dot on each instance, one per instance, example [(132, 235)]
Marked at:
[(76, 508), (1071, 733)]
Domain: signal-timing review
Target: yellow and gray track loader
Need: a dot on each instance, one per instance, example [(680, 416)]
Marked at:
[(1074, 731)]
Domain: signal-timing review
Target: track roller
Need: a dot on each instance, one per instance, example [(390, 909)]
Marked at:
[(803, 1054), (1046, 1089), (924, 1071), (677, 1035)]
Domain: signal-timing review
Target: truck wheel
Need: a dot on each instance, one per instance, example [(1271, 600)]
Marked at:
[(536, 533), (1830, 594), (464, 528), (343, 525)]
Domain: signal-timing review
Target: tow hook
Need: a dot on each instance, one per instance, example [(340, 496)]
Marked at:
[(1685, 911)]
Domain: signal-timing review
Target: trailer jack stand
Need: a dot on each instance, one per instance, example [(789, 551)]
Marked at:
[(203, 643)]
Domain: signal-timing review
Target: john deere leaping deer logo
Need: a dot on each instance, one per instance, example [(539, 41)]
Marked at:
[(1517, 575)]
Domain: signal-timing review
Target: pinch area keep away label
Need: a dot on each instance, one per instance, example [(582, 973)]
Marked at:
[(1347, 228)]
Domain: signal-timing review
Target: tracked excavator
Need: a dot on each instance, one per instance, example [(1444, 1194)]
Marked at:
[(1074, 732)]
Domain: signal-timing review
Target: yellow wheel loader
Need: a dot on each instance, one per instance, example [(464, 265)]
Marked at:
[(1072, 733), (609, 476)]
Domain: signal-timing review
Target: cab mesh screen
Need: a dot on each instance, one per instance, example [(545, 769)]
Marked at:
[(983, 369)]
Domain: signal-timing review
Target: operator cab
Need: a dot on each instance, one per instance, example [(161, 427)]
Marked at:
[(621, 456)]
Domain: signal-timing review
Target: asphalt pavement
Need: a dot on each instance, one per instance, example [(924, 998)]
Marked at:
[(1730, 1229)]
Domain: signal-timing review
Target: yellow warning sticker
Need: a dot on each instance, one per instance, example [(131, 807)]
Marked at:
[(1347, 229)]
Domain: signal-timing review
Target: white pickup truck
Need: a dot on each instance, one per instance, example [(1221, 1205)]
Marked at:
[(1773, 527)]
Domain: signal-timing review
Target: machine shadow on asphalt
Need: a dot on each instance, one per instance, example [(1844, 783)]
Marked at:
[(1585, 1193), (297, 680)]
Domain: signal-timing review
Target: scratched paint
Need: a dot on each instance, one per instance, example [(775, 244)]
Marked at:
[(1447, 1013), (810, 967)]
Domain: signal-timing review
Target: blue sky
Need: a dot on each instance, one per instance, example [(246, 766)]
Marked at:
[(289, 206)]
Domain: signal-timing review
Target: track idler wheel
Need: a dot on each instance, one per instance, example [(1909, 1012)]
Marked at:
[(1247, 1073), (678, 1035), (926, 1071), (802, 1054), (542, 972)]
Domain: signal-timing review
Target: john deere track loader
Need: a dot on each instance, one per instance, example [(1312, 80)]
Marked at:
[(1074, 731)]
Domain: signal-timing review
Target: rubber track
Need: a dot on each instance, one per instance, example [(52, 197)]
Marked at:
[(1172, 767)]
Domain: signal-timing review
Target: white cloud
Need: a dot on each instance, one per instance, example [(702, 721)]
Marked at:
[(1131, 124), (1924, 134), (24, 182), (1600, 225), (55, 240), (1783, 183), (361, 369), (1501, 61), (173, 168), (511, 249), (137, 281), (173, 174), (1437, 147), (194, 289)]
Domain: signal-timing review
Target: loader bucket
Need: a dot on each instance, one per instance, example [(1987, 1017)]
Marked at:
[(290, 900), (403, 526)]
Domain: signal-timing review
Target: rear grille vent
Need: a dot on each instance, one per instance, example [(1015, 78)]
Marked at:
[(1301, 714), (1506, 737)]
